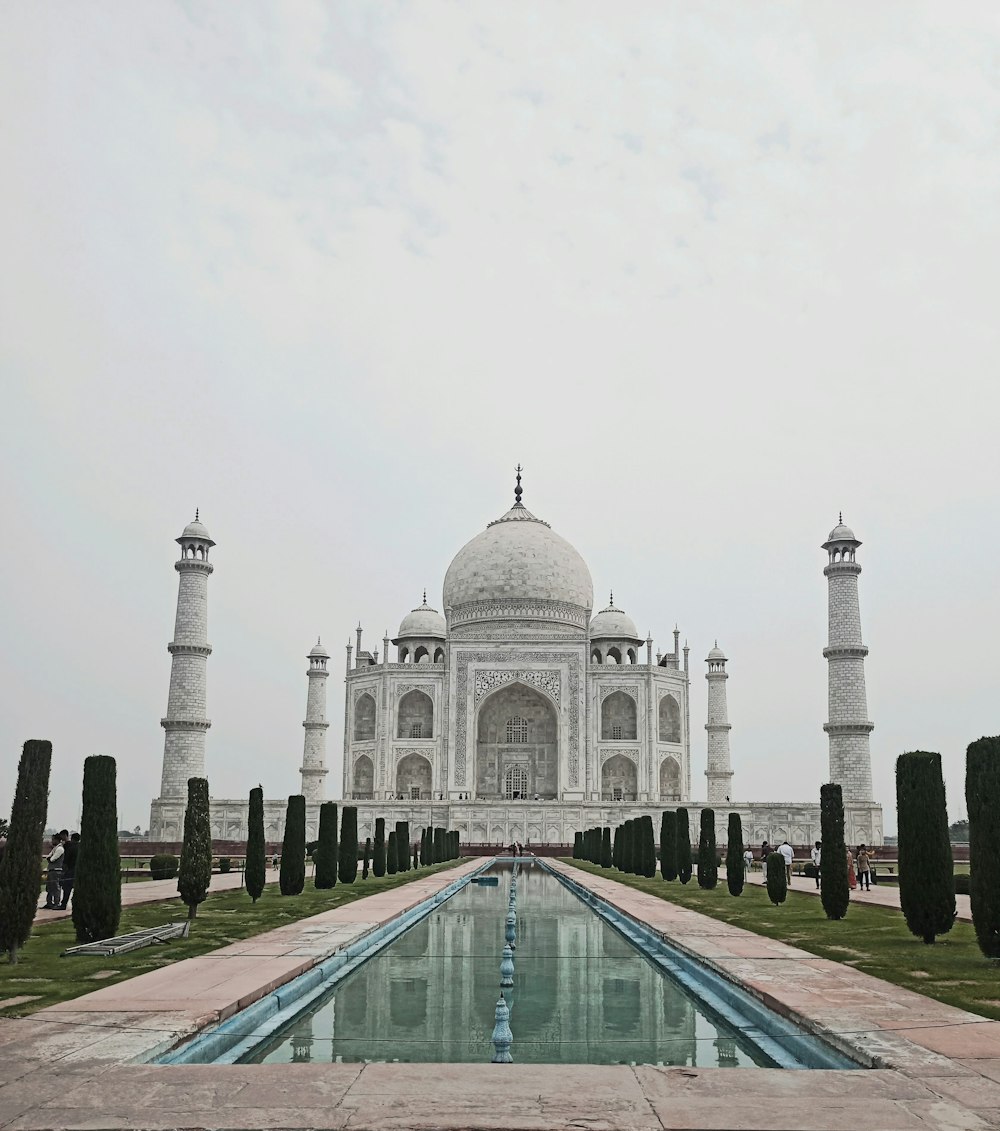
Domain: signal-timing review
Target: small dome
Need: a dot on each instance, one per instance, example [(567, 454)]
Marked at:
[(717, 653), (195, 529), (422, 621), (613, 624), (319, 652), (841, 533)]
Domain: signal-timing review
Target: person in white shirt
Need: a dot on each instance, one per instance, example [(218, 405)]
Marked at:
[(747, 863), (786, 850), (816, 855)]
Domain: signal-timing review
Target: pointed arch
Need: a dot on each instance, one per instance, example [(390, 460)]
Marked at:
[(618, 716), (364, 717), (415, 715), (669, 719)]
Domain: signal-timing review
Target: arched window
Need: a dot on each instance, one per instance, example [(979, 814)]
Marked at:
[(515, 782), (595, 657), (421, 656), (613, 656), (415, 716), (670, 719), (618, 716), (517, 729), (364, 718), (439, 656)]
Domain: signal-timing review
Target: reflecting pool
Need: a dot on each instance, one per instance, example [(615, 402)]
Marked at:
[(582, 993)]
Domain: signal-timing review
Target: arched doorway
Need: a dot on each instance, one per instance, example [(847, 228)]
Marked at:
[(619, 779), (517, 730), (670, 719), (415, 716), (618, 716), (364, 718), (670, 780), (364, 779), (413, 778)]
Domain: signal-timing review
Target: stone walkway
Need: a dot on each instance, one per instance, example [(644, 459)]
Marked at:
[(157, 891), (882, 895), (67, 1067)]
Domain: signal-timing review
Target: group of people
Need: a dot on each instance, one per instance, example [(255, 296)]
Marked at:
[(516, 848), (860, 866), (61, 870), (784, 850)]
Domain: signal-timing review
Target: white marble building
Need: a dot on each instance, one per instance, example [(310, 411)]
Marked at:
[(517, 714)]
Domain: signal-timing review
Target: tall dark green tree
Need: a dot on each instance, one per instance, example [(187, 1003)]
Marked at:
[(194, 877), (926, 867), (328, 850), (439, 848), (616, 847), (378, 861), (578, 846), (416, 857), (402, 846), (735, 876), (391, 855), (348, 857), (255, 870), (982, 796), (777, 879), (648, 849), (668, 845), (626, 864), (367, 857), (683, 846), (606, 848), (708, 867), (835, 892), (21, 865), (292, 875)]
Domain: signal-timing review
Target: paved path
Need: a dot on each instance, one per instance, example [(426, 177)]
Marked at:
[(882, 895), (157, 891)]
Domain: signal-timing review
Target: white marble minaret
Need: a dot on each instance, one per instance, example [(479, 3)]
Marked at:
[(186, 722), (314, 750), (719, 770), (848, 728)]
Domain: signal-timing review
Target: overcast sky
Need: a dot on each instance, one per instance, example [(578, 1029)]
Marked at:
[(711, 272)]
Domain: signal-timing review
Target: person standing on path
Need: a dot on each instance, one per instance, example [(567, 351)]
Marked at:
[(852, 882), (747, 863), (54, 874), (864, 865), (817, 856), (70, 853), (786, 851)]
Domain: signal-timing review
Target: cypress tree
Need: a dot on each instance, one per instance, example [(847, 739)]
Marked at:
[(635, 847), (578, 846), (403, 846), (21, 866), (348, 861), (195, 874), (626, 864), (255, 869), (708, 868), (926, 868), (777, 881), (292, 876), (735, 877), (616, 847), (683, 846), (378, 861), (668, 845), (368, 855), (416, 857), (325, 875), (648, 847), (606, 848), (982, 797), (835, 892), (439, 849), (423, 848), (391, 856)]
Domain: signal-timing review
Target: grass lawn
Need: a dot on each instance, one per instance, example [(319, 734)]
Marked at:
[(872, 939), (223, 918)]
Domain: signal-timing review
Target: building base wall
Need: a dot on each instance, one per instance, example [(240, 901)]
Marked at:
[(534, 822)]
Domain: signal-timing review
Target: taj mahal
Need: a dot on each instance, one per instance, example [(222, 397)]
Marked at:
[(518, 713)]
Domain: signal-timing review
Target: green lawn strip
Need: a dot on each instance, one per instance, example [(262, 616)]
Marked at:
[(223, 918), (872, 939)]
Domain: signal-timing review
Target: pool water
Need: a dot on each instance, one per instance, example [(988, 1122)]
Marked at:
[(582, 993)]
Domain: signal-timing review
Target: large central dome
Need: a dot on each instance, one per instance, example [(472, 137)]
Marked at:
[(518, 559)]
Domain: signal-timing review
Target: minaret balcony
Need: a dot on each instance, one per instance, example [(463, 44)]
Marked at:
[(840, 651), (196, 564), (182, 649), (185, 724), (311, 725), (849, 728)]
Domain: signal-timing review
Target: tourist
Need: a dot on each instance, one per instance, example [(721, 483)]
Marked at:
[(747, 862), (54, 874), (864, 875), (786, 851), (817, 855), (871, 866), (851, 879), (70, 853)]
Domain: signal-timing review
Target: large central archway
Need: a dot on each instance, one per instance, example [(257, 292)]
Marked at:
[(517, 745)]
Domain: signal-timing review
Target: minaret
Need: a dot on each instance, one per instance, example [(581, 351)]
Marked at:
[(185, 721), (314, 749), (719, 769), (848, 728)]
